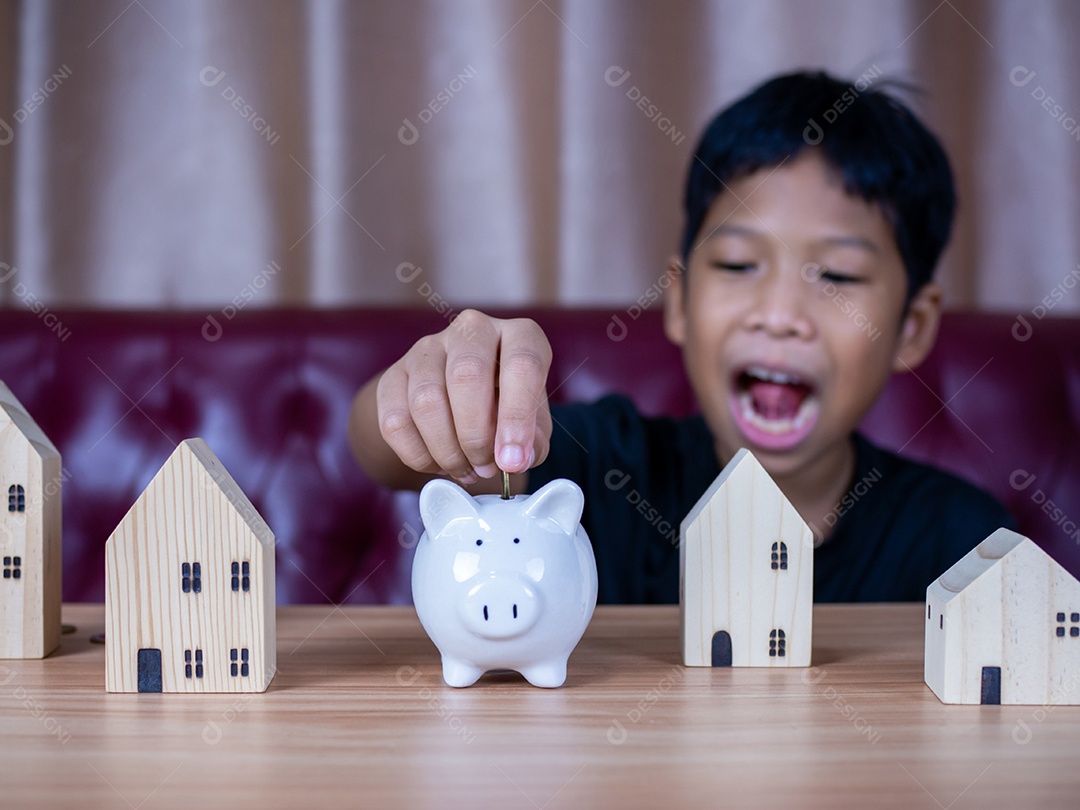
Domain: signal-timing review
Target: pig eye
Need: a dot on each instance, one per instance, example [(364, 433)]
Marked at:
[(479, 542), (517, 539)]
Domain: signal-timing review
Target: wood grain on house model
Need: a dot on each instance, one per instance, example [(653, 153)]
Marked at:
[(746, 568), (190, 585), (30, 534), (1003, 626)]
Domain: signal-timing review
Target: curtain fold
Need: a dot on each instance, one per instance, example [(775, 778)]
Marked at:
[(258, 153)]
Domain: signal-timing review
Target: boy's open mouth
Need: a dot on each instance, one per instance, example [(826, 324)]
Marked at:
[(773, 409)]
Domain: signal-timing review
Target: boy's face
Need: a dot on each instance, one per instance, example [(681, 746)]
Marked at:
[(791, 315)]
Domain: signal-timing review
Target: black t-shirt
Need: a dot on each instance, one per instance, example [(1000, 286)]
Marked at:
[(899, 527)]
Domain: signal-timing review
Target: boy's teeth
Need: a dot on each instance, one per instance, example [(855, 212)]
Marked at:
[(746, 405), (769, 375)]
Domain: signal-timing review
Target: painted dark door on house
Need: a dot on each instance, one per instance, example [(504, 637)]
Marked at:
[(721, 649), (991, 685), (149, 670)]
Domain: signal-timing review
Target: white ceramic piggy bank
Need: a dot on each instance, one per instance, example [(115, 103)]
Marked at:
[(504, 584)]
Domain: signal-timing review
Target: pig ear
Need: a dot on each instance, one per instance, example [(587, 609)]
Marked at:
[(442, 502), (561, 501)]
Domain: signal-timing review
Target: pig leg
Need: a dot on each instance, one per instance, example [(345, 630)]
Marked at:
[(459, 673), (548, 674)]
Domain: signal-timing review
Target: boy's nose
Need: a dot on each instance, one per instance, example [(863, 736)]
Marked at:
[(779, 306)]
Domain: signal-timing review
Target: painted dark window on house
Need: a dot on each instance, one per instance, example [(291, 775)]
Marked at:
[(1074, 620), (191, 577), (238, 662), (16, 498), (779, 557), (941, 617), (198, 671), (777, 644), (241, 576), (12, 567)]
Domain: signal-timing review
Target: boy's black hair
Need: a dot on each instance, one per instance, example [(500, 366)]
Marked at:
[(882, 151)]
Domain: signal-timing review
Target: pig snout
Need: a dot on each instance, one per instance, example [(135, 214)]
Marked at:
[(501, 607)]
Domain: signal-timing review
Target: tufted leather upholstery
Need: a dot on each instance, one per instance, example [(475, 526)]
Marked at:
[(270, 392)]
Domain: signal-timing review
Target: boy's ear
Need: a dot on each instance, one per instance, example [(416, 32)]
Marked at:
[(919, 329), (674, 302)]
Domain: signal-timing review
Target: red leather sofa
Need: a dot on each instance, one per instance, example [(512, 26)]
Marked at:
[(997, 402)]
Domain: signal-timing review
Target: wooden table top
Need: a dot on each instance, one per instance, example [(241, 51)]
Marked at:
[(357, 716)]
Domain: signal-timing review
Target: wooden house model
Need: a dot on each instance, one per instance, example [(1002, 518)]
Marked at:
[(1003, 626), (746, 566), (30, 540), (189, 586)]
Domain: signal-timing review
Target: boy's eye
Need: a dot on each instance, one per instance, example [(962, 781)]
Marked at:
[(838, 277), (734, 267)]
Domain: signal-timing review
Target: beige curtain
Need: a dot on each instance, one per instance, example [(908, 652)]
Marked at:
[(243, 153)]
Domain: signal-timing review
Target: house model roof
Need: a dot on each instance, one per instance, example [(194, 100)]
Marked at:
[(981, 559), (14, 410), (193, 457), (743, 460)]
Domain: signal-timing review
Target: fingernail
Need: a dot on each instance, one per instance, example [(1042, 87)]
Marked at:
[(486, 470), (511, 457), (468, 478)]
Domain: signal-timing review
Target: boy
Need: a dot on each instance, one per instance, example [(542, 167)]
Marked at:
[(783, 213)]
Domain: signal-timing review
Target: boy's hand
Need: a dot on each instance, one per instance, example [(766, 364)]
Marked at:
[(470, 400)]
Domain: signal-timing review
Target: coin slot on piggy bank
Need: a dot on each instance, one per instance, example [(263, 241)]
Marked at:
[(504, 583)]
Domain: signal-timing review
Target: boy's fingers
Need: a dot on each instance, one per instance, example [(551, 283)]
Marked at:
[(472, 345), (429, 406), (395, 422), (524, 360)]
